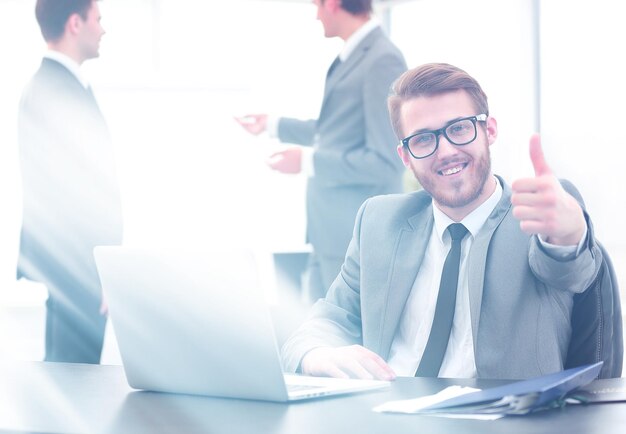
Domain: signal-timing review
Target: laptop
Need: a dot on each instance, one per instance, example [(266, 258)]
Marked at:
[(197, 323)]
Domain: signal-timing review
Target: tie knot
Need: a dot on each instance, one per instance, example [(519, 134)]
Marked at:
[(457, 231)]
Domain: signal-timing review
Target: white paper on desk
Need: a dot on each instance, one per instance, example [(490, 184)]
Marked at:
[(417, 404), (413, 406)]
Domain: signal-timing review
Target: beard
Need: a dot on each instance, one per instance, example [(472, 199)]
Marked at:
[(462, 192)]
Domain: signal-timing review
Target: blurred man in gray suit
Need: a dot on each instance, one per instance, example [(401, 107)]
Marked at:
[(71, 200), (520, 254), (348, 150)]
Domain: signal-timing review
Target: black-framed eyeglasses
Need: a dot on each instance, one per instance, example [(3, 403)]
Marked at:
[(458, 132)]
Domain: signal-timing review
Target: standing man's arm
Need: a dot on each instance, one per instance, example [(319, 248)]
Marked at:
[(300, 132)]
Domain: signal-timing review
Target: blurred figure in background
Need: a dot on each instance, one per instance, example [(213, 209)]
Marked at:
[(349, 154), (71, 199)]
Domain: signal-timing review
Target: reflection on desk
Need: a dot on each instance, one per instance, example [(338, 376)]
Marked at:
[(74, 398)]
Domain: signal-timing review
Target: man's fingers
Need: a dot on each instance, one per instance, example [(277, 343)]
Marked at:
[(347, 362), (379, 371), (533, 226), (528, 213), (334, 372), (531, 199), (534, 185), (274, 160), (537, 158), (375, 364), (355, 369)]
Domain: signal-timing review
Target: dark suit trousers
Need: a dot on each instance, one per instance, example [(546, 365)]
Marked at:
[(74, 327), (320, 273)]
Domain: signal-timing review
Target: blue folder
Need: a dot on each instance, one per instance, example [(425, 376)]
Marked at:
[(522, 396)]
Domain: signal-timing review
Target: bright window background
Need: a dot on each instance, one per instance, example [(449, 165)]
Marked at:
[(582, 111), (173, 73)]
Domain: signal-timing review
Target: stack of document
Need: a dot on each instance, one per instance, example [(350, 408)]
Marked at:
[(516, 398)]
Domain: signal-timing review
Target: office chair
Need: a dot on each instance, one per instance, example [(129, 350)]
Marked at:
[(596, 320)]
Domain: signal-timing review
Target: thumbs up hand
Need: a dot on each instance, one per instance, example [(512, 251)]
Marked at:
[(542, 205)]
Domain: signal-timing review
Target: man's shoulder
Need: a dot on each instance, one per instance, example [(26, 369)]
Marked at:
[(379, 44), (399, 204), (53, 76), (51, 85)]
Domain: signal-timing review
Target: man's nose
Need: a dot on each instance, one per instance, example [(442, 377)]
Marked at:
[(446, 148)]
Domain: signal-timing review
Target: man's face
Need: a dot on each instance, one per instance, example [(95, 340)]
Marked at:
[(90, 33), (455, 176), (324, 14)]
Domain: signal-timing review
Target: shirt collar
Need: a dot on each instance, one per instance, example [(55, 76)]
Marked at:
[(356, 38), (475, 220), (69, 63)]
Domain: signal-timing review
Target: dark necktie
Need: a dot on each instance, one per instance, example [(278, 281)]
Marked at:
[(333, 66), (444, 311)]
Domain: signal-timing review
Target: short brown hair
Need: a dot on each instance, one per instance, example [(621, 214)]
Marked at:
[(429, 80), (52, 15), (357, 7)]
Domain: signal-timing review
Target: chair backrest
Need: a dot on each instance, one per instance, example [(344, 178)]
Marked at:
[(597, 324)]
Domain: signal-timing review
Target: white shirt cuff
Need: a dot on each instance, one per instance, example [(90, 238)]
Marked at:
[(272, 126), (308, 168), (564, 252)]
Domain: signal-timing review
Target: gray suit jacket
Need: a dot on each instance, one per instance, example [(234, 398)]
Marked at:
[(520, 298), (71, 199), (355, 156)]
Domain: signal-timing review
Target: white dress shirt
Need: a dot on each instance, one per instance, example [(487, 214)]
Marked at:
[(413, 331)]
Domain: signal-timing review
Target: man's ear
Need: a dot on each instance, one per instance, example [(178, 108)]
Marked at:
[(73, 24), (404, 155), (492, 130)]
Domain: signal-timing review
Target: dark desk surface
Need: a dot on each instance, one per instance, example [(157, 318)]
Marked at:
[(66, 398)]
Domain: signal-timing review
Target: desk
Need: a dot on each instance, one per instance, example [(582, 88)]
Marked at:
[(70, 398)]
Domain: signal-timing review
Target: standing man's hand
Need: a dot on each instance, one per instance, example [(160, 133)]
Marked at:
[(353, 361), (287, 161), (254, 124), (544, 207)]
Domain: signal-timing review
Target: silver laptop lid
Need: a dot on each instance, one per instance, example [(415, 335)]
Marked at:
[(191, 322)]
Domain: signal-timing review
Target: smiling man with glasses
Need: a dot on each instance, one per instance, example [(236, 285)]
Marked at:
[(467, 278)]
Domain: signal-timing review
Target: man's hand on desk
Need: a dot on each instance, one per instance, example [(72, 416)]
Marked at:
[(353, 361)]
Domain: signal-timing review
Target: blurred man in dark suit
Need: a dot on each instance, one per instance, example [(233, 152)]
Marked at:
[(71, 200)]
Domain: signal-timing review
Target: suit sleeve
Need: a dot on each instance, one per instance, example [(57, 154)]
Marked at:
[(300, 132), (336, 320), (376, 158), (574, 274)]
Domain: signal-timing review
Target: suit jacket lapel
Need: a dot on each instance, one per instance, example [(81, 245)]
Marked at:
[(351, 62), (477, 262), (408, 256)]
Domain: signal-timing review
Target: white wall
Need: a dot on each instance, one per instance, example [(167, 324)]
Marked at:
[(582, 111)]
